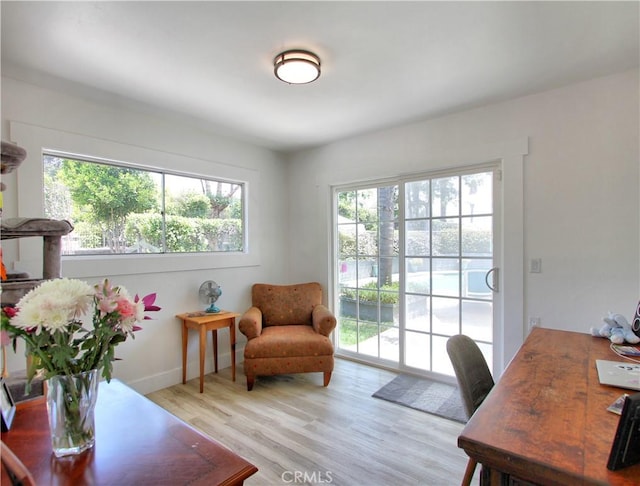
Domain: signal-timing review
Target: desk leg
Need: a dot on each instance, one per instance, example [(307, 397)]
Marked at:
[(203, 342), (185, 334), (492, 477), (214, 339), (232, 340)]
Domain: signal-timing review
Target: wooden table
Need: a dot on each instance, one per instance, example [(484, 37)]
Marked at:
[(137, 442), (546, 421), (203, 322)]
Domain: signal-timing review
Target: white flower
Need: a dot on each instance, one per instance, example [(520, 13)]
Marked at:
[(139, 311), (54, 304), (126, 325)]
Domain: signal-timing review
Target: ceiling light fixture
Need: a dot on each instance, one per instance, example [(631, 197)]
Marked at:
[(296, 67)]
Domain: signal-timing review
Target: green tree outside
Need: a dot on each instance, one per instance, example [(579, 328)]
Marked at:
[(106, 195), (121, 210)]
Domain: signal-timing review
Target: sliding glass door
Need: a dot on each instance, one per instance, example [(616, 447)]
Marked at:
[(414, 266)]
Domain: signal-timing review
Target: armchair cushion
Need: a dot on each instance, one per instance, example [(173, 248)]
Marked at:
[(288, 342), (284, 305)]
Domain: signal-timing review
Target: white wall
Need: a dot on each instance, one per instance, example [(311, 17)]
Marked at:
[(40, 117), (580, 194)]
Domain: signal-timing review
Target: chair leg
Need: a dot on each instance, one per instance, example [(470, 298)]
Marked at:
[(15, 468), (468, 473), (250, 381), (327, 378)]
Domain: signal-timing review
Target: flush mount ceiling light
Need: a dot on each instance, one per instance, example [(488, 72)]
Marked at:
[(296, 67)]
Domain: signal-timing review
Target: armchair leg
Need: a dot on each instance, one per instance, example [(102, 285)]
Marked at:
[(250, 381), (327, 378)]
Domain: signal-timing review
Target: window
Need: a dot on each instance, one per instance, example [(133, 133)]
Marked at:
[(118, 209)]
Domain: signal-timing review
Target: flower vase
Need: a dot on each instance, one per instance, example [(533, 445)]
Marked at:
[(71, 401)]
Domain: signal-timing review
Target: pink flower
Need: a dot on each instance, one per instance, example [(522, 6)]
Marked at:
[(148, 301), (106, 306), (106, 297), (125, 308)]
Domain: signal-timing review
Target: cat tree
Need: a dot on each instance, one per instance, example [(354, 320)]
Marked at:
[(16, 285)]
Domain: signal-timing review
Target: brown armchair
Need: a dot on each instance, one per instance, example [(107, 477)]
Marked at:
[(287, 329)]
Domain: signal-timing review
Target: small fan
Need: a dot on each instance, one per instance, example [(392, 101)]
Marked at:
[(210, 292)]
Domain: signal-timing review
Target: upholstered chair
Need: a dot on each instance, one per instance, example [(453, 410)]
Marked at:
[(474, 381), (287, 330)]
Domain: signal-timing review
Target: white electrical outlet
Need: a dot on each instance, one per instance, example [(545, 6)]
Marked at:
[(534, 322), (535, 265)]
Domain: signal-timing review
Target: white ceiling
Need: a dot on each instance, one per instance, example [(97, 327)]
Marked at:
[(383, 63)]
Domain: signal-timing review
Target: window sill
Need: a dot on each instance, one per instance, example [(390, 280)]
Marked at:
[(99, 265)]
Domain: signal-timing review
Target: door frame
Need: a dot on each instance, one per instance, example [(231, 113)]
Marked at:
[(511, 156)]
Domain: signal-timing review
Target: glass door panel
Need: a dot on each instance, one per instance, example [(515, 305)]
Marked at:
[(367, 264), (448, 225)]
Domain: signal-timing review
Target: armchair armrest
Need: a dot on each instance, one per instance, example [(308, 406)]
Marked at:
[(323, 320), (251, 323)]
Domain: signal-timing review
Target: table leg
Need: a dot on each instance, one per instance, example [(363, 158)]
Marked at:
[(203, 342), (214, 336), (232, 340), (185, 334)]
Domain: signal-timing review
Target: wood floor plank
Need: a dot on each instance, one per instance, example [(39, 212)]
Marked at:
[(298, 432)]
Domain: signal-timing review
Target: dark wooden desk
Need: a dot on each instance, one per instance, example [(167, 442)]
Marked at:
[(546, 421), (137, 443)]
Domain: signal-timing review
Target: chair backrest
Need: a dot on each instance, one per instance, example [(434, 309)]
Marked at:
[(473, 375), (283, 305), (16, 470)]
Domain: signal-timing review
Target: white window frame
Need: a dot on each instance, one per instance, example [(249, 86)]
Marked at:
[(38, 140), (162, 173)]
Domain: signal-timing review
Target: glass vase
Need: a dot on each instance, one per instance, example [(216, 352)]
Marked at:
[(71, 401)]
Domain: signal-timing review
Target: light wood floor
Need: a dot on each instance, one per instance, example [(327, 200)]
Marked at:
[(298, 432)]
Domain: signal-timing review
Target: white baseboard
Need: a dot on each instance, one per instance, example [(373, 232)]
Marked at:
[(151, 383)]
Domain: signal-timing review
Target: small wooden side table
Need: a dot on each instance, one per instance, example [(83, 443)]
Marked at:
[(203, 322)]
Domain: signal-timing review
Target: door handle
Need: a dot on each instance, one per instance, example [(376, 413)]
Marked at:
[(495, 272)]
